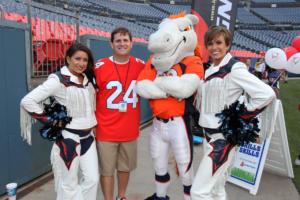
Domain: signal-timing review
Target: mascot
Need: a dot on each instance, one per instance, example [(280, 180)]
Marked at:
[(171, 75)]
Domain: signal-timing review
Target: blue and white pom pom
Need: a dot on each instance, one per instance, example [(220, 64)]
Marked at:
[(58, 118), (236, 129)]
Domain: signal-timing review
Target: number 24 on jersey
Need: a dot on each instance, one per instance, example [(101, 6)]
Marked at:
[(129, 97)]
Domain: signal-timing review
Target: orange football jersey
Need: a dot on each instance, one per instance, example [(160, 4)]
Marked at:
[(171, 107)]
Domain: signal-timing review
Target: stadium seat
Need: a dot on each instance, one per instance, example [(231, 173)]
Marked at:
[(39, 55), (54, 49)]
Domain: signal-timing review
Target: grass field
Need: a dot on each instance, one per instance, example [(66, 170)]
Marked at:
[(236, 172), (290, 97)]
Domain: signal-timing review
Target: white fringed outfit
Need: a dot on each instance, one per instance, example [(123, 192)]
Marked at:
[(76, 151), (221, 88)]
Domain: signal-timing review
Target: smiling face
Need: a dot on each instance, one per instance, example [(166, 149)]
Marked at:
[(121, 45), (217, 49), (217, 41), (78, 62)]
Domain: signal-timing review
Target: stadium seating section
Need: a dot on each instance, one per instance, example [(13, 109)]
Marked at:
[(273, 1), (55, 27)]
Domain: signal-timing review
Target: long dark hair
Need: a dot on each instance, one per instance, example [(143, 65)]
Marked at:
[(89, 72)]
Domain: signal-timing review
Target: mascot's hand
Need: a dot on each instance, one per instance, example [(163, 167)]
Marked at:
[(149, 90), (178, 87)]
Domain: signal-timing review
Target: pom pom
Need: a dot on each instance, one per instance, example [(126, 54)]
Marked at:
[(236, 130), (59, 118)]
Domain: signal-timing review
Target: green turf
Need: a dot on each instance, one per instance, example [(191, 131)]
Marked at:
[(239, 173), (290, 97)]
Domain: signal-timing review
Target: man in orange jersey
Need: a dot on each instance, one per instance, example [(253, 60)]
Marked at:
[(171, 75), (118, 113)]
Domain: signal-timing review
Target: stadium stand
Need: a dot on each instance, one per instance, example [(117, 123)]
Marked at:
[(132, 9), (246, 43), (169, 8), (280, 15), (274, 1), (56, 24), (173, 2), (245, 16)]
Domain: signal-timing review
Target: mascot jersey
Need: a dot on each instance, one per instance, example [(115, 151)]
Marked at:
[(171, 107), (111, 78)]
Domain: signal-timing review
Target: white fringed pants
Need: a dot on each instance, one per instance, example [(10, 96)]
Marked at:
[(68, 185), (206, 185)]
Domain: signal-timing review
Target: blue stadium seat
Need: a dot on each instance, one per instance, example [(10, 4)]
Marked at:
[(173, 8), (280, 15)]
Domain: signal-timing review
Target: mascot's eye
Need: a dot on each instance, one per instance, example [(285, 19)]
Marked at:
[(187, 28)]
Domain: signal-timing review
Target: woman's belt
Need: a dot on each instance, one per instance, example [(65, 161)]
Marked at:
[(164, 120), (81, 133), (211, 130)]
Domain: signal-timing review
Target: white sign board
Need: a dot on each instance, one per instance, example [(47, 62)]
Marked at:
[(250, 159)]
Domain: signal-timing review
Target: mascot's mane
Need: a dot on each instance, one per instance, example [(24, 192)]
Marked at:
[(177, 15)]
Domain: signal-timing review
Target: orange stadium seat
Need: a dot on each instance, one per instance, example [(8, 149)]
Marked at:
[(39, 56), (39, 30), (54, 52)]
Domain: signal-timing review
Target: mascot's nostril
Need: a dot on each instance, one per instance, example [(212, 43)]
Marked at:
[(167, 38), (184, 38)]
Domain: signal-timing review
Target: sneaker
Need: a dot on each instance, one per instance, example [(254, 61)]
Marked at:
[(197, 140), (154, 197), (297, 161)]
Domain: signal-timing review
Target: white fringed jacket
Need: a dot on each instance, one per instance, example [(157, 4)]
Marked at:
[(79, 100), (216, 93)]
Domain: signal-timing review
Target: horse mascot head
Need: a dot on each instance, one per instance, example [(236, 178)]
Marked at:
[(175, 67), (174, 40)]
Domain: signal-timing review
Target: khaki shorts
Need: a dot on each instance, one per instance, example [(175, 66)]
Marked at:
[(116, 155)]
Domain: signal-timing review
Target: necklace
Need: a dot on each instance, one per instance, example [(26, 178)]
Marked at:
[(119, 76)]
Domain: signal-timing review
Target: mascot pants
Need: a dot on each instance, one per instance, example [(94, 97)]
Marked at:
[(172, 134), (75, 166), (209, 183)]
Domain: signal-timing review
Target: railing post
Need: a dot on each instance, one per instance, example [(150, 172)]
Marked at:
[(77, 25), (1, 12), (28, 2)]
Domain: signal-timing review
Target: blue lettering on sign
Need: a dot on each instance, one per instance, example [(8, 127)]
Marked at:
[(250, 149)]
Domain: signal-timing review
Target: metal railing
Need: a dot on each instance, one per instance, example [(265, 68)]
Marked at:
[(51, 37), (1, 12)]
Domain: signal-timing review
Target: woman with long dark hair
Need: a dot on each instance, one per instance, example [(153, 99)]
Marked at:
[(74, 150)]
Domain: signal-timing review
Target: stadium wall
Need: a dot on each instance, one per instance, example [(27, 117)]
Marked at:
[(19, 161)]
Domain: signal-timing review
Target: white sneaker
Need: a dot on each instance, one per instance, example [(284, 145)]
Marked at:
[(297, 161)]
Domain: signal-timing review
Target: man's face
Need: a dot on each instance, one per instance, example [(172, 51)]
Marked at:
[(121, 44)]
